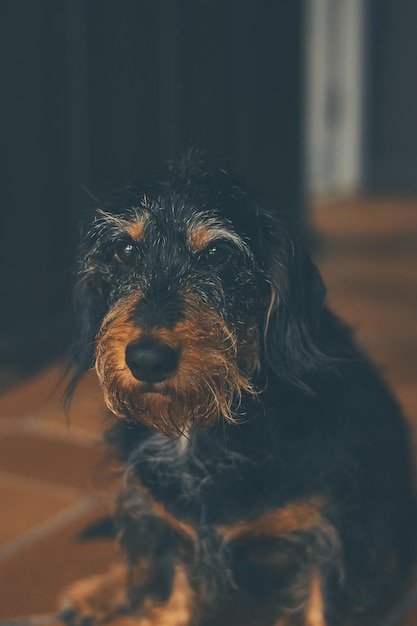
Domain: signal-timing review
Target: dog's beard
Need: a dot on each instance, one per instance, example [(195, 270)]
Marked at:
[(174, 411), (207, 386)]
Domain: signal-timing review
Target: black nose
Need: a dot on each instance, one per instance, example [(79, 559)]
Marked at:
[(150, 360)]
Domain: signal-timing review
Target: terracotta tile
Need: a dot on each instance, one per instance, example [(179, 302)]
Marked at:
[(27, 397), (27, 503), (32, 579), (52, 460), (371, 216), (87, 412), (363, 290), (45, 392), (369, 319)]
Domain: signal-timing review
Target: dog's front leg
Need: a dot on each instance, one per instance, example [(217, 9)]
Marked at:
[(105, 599), (96, 599), (153, 588), (282, 562)]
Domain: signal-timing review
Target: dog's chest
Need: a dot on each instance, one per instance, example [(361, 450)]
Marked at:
[(196, 480)]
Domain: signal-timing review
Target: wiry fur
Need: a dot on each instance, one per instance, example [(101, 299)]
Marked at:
[(289, 500)]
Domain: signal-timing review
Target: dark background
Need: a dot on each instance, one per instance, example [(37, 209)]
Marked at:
[(98, 93)]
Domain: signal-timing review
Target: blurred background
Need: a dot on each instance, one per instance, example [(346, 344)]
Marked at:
[(305, 98), (313, 100)]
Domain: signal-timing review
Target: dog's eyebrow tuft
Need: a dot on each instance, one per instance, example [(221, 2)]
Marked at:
[(136, 228), (133, 224), (200, 235)]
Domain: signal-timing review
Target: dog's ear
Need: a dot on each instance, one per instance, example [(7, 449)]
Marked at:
[(292, 319), (89, 305)]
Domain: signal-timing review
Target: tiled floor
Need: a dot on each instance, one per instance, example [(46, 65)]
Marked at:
[(53, 479)]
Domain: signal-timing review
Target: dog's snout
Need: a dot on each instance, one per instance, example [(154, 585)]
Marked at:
[(150, 360)]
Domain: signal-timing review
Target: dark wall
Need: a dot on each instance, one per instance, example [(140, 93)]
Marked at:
[(224, 75), (98, 93), (35, 186), (391, 96)]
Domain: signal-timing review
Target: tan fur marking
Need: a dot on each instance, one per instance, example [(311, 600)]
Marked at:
[(300, 516), (116, 332), (315, 610), (160, 511), (312, 608), (133, 226), (199, 238), (272, 304), (201, 235), (138, 573), (136, 228), (181, 608), (99, 596)]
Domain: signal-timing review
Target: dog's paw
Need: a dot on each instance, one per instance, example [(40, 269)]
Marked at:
[(98, 600)]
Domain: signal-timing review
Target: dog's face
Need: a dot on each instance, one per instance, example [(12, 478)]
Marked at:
[(180, 288)]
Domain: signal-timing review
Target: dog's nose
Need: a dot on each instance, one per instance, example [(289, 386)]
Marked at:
[(151, 361)]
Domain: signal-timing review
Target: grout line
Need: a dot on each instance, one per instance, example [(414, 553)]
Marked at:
[(53, 489), (42, 530), (23, 424), (68, 433), (54, 405), (41, 428)]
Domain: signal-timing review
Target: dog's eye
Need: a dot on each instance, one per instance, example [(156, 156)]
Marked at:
[(125, 253), (216, 255)]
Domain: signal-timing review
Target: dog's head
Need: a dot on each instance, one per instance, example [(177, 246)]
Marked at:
[(191, 290)]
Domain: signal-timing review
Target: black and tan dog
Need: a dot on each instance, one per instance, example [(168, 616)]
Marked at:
[(268, 476)]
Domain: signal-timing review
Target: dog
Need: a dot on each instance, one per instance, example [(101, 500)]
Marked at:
[(268, 476)]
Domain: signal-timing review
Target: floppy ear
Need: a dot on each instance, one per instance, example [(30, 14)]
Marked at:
[(89, 304), (292, 320)]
